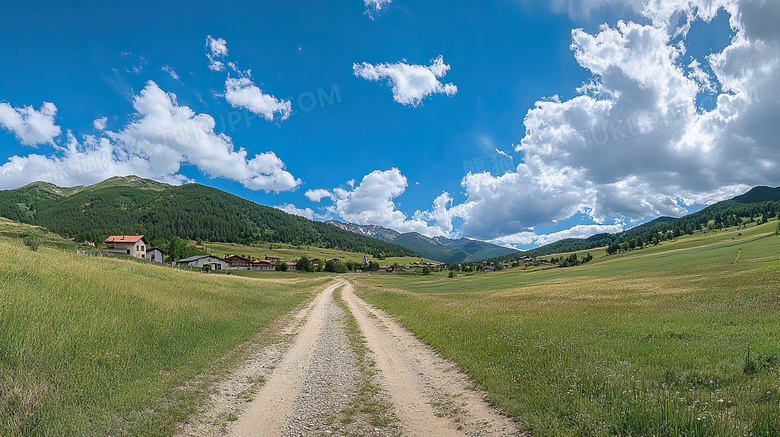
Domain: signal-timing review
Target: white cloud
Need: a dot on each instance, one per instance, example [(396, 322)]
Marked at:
[(374, 6), (216, 51), (633, 142), (100, 123), (31, 127), (527, 238), (292, 209), (162, 137), (168, 69), (243, 93), (372, 201), (411, 83), (317, 195)]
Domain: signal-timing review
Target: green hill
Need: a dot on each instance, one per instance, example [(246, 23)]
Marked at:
[(133, 205), (758, 205)]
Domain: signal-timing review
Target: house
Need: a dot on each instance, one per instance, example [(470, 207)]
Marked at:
[(155, 255), (262, 265), (291, 266), (238, 262), (334, 260), (315, 262), (134, 246), (200, 261), (273, 258), (365, 262), (488, 269)]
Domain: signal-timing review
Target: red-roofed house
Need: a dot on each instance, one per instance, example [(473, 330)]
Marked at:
[(131, 245)]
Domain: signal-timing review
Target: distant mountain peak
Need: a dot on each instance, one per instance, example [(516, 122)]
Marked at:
[(443, 249), (373, 231)]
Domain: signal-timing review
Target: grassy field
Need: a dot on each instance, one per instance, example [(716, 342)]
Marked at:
[(96, 346), (681, 339), (289, 253)]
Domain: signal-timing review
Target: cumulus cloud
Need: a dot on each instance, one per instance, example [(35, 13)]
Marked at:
[(633, 143), (411, 83), (292, 209), (162, 137), (100, 123), (31, 127), (317, 195), (372, 201), (216, 51), (243, 93)]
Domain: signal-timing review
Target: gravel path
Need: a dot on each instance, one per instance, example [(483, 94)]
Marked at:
[(349, 370)]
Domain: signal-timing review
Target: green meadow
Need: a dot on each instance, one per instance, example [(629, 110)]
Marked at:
[(289, 253), (97, 346), (680, 339)]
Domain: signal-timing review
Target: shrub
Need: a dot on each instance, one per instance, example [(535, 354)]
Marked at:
[(32, 240)]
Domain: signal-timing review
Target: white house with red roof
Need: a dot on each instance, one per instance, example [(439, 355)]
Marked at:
[(131, 245)]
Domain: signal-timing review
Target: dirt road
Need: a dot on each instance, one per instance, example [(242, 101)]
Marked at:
[(350, 370)]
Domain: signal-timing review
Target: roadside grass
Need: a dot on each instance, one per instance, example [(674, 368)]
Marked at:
[(99, 346), (674, 340)]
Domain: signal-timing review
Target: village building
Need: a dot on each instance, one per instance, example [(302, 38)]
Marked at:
[(200, 261), (155, 255), (315, 262), (365, 262), (134, 246), (273, 258), (238, 262), (262, 265), (291, 266)]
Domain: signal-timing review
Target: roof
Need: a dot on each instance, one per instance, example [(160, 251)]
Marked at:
[(197, 257), (128, 239), (152, 249)]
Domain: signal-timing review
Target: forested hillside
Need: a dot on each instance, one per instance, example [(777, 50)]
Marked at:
[(159, 211), (759, 204)]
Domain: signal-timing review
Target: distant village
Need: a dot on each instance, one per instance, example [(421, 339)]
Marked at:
[(137, 247)]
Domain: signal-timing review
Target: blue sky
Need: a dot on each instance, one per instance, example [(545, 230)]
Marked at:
[(511, 121)]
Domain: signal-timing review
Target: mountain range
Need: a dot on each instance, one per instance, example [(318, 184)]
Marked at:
[(462, 250), (132, 205)]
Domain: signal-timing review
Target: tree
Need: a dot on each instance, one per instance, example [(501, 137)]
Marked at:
[(304, 265), (426, 271), (777, 231), (280, 267), (452, 274)]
